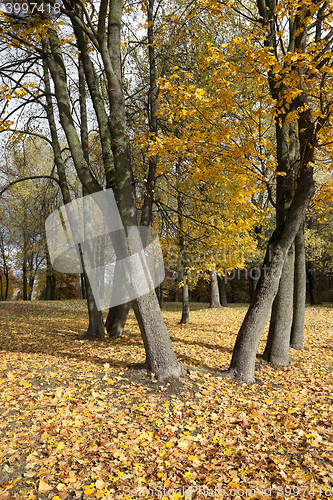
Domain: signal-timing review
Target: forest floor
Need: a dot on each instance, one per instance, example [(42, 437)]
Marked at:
[(80, 420)]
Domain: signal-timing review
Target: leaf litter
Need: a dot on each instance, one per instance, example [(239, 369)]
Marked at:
[(81, 420)]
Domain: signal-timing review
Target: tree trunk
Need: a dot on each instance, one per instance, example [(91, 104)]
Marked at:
[(161, 298), (160, 357), (244, 354), (233, 287), (83, 289), (96, 329), (277, 346), (7, 284), (185, 319), (297, 329), (253, 282), (25, 278), (214, 291), (312, 277), (116, 320), (223, 294)]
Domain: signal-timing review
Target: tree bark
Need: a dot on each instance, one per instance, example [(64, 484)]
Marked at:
[(116, 320), (214, 291), (242, 364), (297, 328), (160, 356), (277, 346), (185, 319), (83, 289), (312, 278), (222, 290), (96, 327)]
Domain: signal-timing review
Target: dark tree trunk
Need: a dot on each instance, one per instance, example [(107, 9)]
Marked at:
[(233, 287), (297, 329), (223, 294), (25, 278), (214, 291), (312, 279), (185, 319), (161, 301), (7, 284), (83, 288), (277, 346), (116, 320)]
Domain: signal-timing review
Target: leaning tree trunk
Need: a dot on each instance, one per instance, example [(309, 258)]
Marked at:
[(160, 356), (185, 319), (297, 329), (116, 320), (242, 364), (214, 291), (277, 346), (96, 327)]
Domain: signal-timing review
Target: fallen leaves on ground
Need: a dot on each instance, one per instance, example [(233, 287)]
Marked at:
[(80, 420)]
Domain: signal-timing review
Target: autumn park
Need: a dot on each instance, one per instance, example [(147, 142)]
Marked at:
[(166, 249)]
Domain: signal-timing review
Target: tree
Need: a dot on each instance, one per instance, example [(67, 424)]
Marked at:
[(291, 73), (100, 37)]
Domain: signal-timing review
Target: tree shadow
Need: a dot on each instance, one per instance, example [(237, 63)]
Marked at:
[(200, 344)]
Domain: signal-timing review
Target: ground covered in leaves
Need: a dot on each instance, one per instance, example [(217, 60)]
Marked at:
[(80, 420)]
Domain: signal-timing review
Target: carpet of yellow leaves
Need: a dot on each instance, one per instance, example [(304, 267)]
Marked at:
[(80, 420)]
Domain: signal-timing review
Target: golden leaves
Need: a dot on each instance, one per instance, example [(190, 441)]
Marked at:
[(72, 432)]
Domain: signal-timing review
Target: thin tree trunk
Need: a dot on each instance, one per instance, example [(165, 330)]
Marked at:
[(96, 327), (297, 329), (233, 287), (161, 298), (222, 290), (7, 284), (277, 346), (83, 289), (25, 278), (53, 287), (312, 278), (214, 291), (185, 319)]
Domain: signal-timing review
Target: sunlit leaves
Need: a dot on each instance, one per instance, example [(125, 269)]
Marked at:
[(90, 426)]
